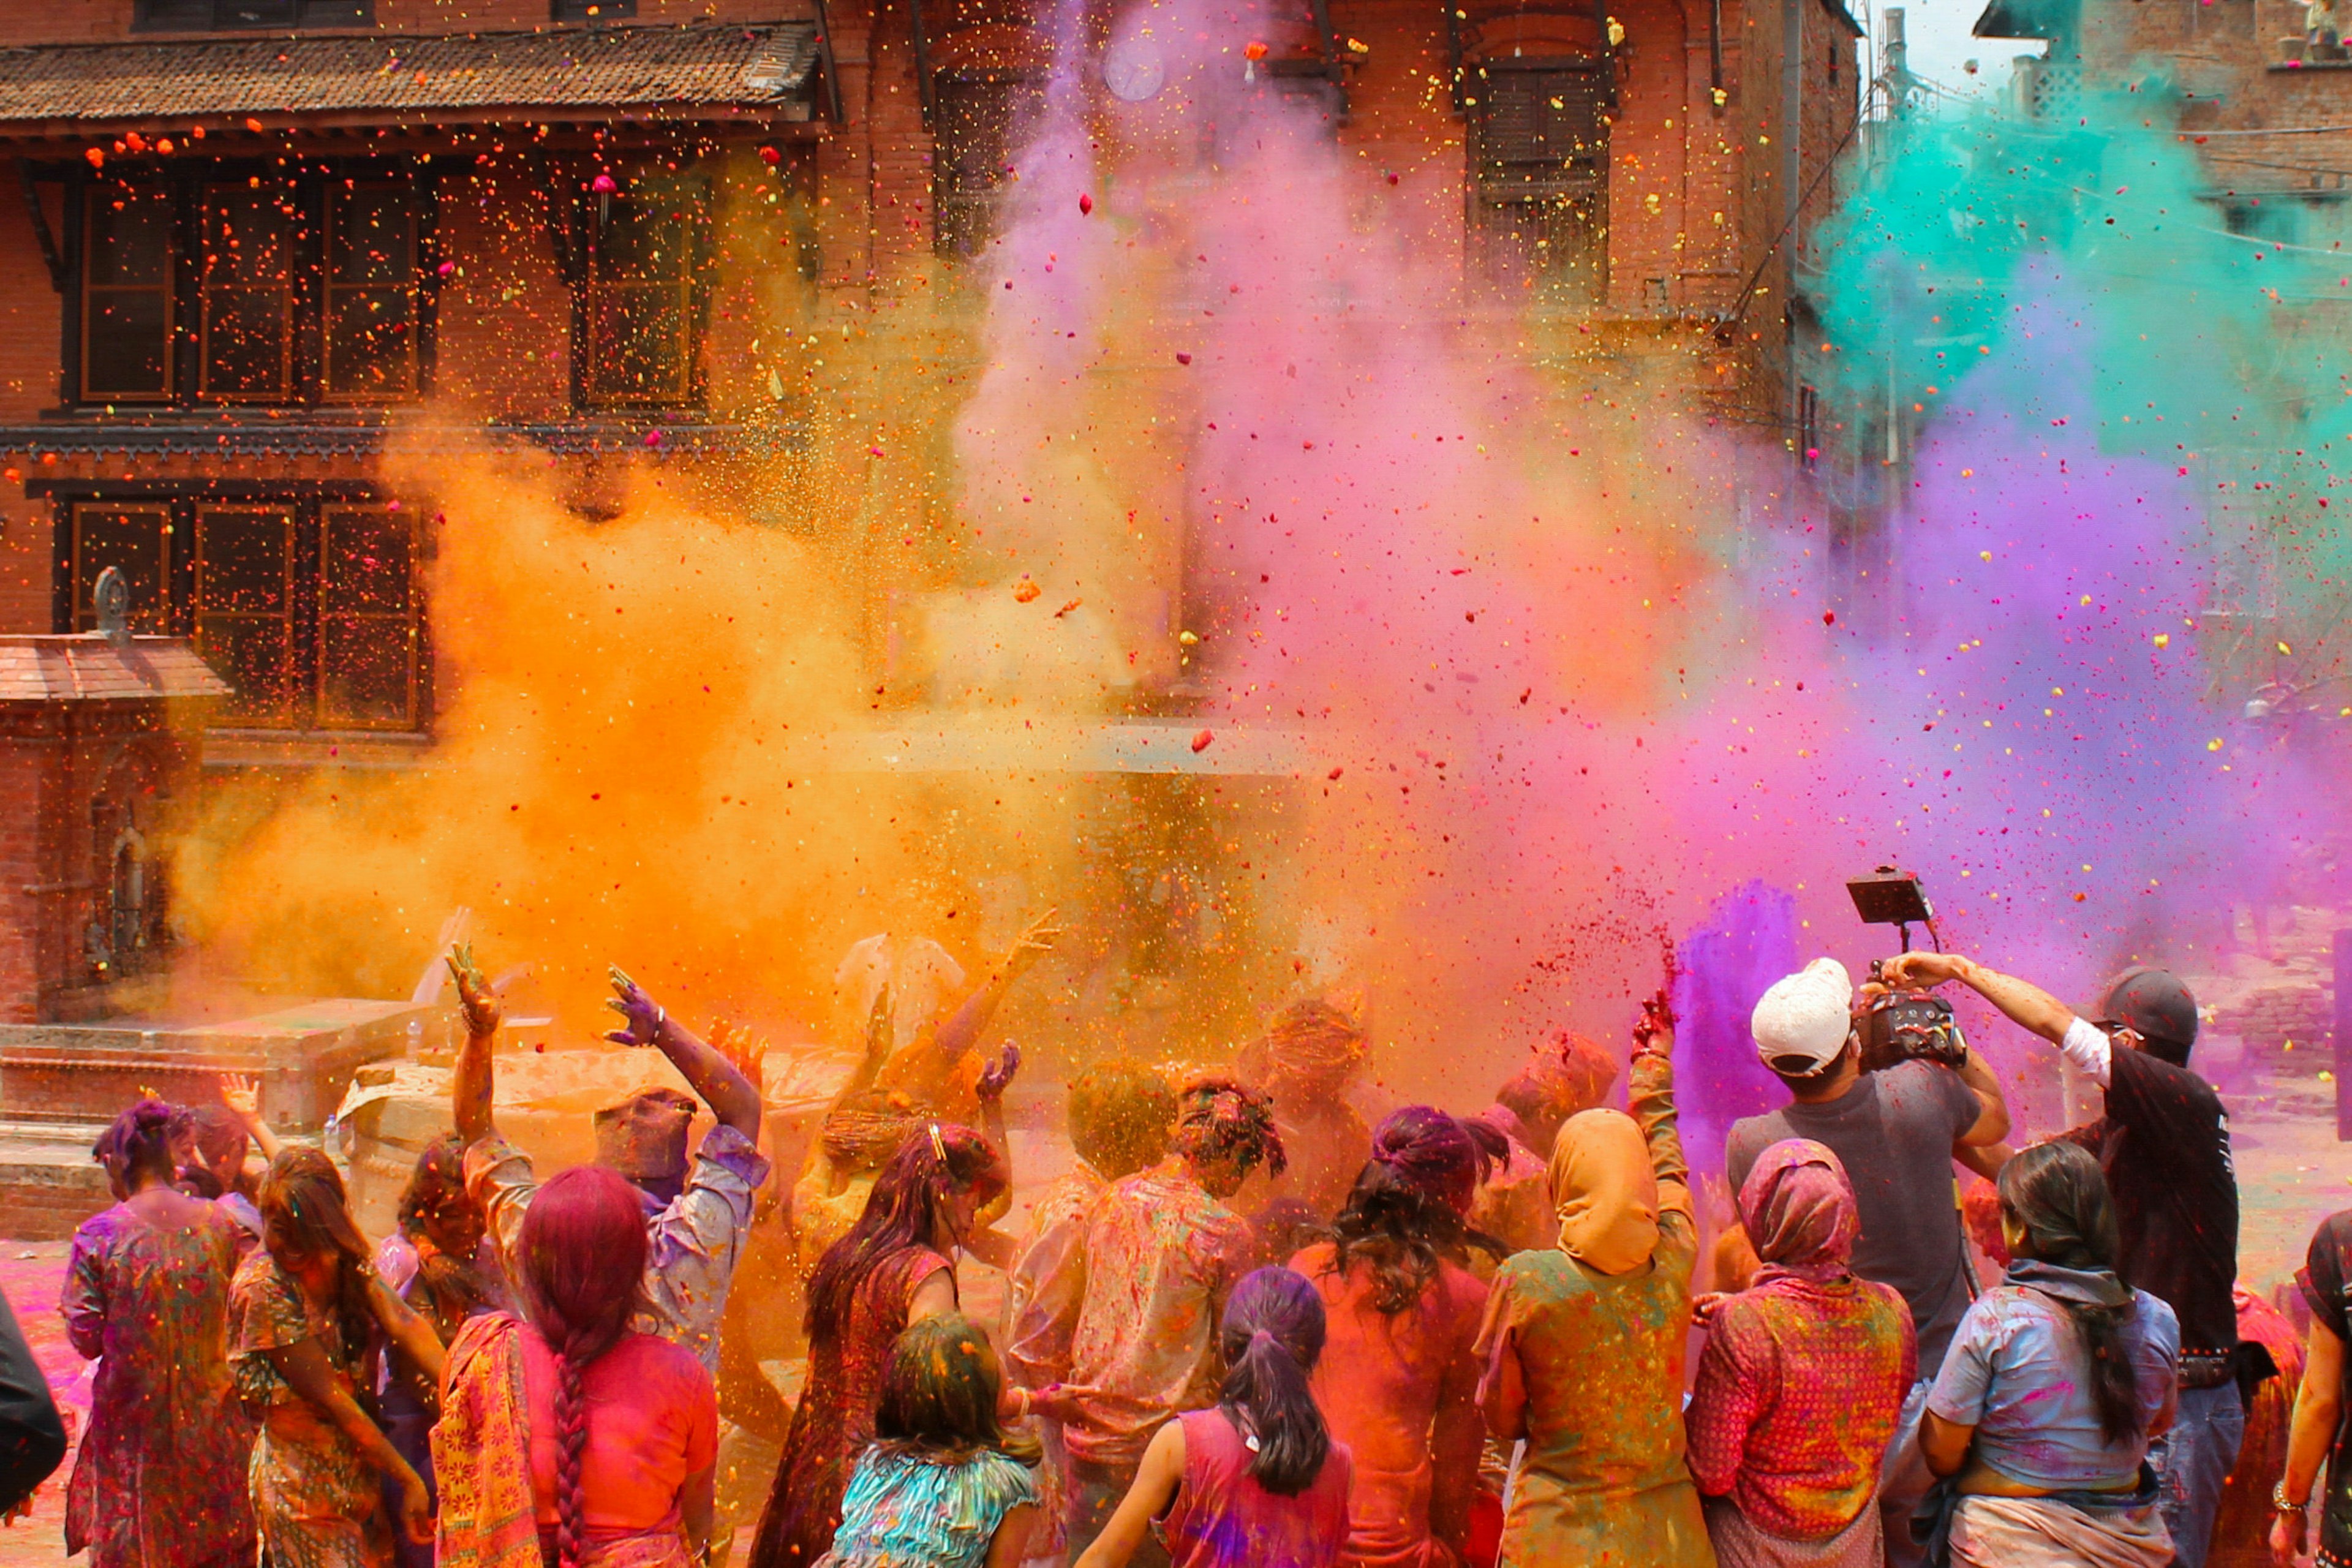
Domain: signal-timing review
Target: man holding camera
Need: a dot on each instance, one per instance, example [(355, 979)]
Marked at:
[(2164, 1144), (1896, 1132)]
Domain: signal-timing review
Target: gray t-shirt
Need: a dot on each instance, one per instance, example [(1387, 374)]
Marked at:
[(1894, 1131)]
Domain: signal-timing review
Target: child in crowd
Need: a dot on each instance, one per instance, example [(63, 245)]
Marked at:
[(943, 1485), (1256, 1479)]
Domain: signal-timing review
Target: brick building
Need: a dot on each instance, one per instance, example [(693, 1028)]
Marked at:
[(256, 241)]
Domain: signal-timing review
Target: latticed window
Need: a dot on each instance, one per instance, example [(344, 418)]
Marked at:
[(646, 282), (1539, 167), (977, 118), (310, 608), (212, 284)]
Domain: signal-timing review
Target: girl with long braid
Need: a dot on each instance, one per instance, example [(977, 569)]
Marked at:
[(2057, 1383), (1254, 1481), (567, 1440), (303, 1311)]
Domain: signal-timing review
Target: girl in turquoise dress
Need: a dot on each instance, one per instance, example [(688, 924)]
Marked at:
[(943, 1485)]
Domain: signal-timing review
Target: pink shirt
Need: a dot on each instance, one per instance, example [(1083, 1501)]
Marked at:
[(653, 1421), (1221, 1517)]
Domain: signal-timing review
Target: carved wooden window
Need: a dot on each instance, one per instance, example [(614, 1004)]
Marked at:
[(244, 609), (976, 117), (245, 293), (126, 291), (135, 539), (235, 15), (367, 619), (368, 316), (642, 301), (1540, 163)]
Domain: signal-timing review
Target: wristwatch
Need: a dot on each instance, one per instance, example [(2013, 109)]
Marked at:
[(2278, 1499)]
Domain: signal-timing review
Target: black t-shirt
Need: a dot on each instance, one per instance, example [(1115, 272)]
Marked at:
[(1894, 1132), (2165, 1147)]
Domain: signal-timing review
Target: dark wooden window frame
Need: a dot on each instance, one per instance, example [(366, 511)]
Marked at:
[(229, 15), (186, 180), (1492, 189), (578, 226), (311, 504)]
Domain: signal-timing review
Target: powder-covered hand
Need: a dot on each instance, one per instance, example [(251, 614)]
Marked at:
[(997, 1078), (640, 1012), (474, 994)]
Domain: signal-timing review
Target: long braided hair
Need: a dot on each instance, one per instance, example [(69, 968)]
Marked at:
[(2057, 1196), (583, 1254)]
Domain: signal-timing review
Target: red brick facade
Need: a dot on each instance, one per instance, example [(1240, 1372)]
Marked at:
[(838, 238)]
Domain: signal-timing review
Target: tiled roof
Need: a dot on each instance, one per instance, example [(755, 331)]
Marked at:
[(410, 75), (87, 667)]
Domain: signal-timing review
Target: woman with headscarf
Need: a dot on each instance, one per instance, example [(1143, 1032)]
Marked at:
[(2058, 1381), (1801, 1380), (1308, 1058), (1583, 1344), (1397, 1380)]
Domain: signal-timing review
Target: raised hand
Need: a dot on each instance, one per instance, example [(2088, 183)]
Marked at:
[(474, 995), (1033, 943), (242, 1096), (1653, 1031), (642, 1015), (995, 1079), (739, 1045)]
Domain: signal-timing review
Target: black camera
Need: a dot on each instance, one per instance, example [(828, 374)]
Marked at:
[(1900, 1025)]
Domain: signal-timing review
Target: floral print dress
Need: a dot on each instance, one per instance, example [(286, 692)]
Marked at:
[(315, 1493), (160, 1480)]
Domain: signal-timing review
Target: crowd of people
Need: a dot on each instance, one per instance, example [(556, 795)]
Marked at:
[(1246, 1326)]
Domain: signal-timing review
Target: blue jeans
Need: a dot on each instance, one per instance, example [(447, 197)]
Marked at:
[(2191, 1461), (1903, 1480)]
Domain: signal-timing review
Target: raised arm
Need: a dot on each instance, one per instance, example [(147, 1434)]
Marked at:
[(1650, 1096), (243, 1098), (473, 1082), (961, 1030), (719, 1083), (407, 1328), (2027, 1005)]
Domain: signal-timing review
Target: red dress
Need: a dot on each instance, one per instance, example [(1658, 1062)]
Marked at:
[(835, 1418), (1222, 1519)]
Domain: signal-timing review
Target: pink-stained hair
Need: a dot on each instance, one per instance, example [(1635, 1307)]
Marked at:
[(583, 1256)]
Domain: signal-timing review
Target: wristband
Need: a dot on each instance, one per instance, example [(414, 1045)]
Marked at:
[(2279, 1503)]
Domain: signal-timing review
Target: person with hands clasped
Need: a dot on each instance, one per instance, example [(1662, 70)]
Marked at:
[(695, 1216), (2164, 1148)]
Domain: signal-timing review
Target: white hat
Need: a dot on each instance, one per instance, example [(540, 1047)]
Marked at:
[(1806, 1016)]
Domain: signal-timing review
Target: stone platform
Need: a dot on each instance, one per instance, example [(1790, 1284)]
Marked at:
[(61, 1084)]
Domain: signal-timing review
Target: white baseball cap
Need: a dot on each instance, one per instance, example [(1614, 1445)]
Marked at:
[(1802, 1023)]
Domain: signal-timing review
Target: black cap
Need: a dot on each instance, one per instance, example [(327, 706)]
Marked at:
[(2156, 1005)]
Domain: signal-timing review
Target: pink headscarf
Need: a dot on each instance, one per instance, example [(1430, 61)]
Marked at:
[(1798, 1209)]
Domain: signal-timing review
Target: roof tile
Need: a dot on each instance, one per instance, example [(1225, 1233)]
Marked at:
[(701, 65)]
